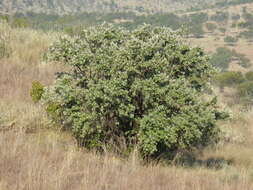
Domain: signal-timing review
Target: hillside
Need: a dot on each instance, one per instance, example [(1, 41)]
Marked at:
[(210, 28), (232, 22), (75, 6)]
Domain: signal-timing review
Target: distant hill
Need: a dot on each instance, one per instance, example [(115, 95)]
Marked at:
[(76, 6)]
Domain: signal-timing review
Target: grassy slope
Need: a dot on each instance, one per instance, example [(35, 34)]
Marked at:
[(33, 157), (42, 162), (214, 40)]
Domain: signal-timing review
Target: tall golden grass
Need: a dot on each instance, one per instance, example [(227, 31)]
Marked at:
[(33, 157), (24, 64), (45, 162)]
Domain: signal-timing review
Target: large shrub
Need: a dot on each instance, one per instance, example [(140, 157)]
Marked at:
[(143, 86)]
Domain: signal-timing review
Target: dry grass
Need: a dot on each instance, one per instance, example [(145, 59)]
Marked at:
[(238, 145), (24, 63), (35, 158), (44, 161)]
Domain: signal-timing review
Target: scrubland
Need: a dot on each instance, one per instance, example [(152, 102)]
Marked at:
[(34, 154)]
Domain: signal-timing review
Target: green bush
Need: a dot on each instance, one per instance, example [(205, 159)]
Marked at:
[(224, 56), (36, 91), (243, 61), (145, 86), (249, 75), (230, 79), (230, 40), (221, 58)]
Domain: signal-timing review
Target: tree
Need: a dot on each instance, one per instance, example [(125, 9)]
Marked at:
[(144, 86)]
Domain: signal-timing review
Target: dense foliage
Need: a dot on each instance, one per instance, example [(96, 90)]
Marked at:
[(144, 86)]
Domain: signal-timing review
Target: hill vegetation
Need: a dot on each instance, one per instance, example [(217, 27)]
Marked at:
[(66, 6), (63, 7), (67, 123), (33, 148)]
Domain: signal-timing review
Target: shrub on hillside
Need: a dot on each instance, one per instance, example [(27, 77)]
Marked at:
[(221, 58), (211, 26), (220, 16), (224, 56), (230, 79), (222, 30), (230, 40), (144, 86), (243, 61), (249, 75), (248, 34), (197, 30)]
